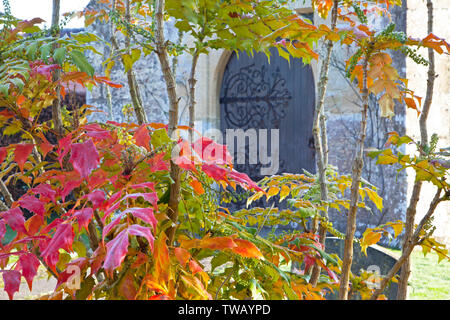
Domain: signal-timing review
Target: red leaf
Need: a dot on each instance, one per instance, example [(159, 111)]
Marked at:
[(64, 276), (84, 158), (97, 198), (244, 180), (141, 231), (150, 185), (46, 191), (185, 163), (151, 197), (116, 250), (145, 214), (11, 278), (332, 275), (3, 154), (21, 153), (68, 188), (84, 216), (210, 151), (96, 131), (45, 146), (2, 230), (29, 264), (157, 163), (107, 229), (14, 218), (142, 137), (215, 172), (63, 148), (32, 204), (55, 223), (247, 249), (62, 239), (309, 262)]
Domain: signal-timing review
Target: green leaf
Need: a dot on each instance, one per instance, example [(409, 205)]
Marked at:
[(18, 83), (160, 137), (127, 62), (79, 248), (31, 50), (219, 260), (59, 55), (81, 62), (45, 51), (4, 88), (85, 289)]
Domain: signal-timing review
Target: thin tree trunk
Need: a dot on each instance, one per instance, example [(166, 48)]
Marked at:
[(320, 137), (192, 102), (402, 292), (131, 76), (356, 179), (174, 198), (410, 246), (114, 47), (56, 106), (409, 230)]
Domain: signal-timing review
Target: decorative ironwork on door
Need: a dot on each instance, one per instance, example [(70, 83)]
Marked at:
[(254, 97), (256, 94)]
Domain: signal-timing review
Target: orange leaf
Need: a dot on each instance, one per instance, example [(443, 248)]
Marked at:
[(217, 243), (182, 256), (410, 103), (161, 255), (195, 267), (247, 249), (20, 100), (197, 186)]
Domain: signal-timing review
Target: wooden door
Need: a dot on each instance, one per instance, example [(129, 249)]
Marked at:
[(256, 94)]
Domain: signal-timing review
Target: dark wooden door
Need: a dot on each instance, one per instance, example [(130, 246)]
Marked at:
[(256, 94)]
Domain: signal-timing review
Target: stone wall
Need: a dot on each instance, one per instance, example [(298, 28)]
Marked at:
[(148, 75)]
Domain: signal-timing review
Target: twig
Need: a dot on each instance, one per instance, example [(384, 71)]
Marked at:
[(411, 244), (223, 283), (6, 194)]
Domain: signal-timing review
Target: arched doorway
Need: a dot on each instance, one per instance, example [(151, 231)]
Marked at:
[(256, 94)]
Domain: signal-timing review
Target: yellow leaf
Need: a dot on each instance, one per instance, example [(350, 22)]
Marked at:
[(370, 237), (273, 191), (254, 197), (397, 226), (375, 198), (387, 106), (284, 192)]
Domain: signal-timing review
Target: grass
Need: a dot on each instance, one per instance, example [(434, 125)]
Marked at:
[(429, 279)]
